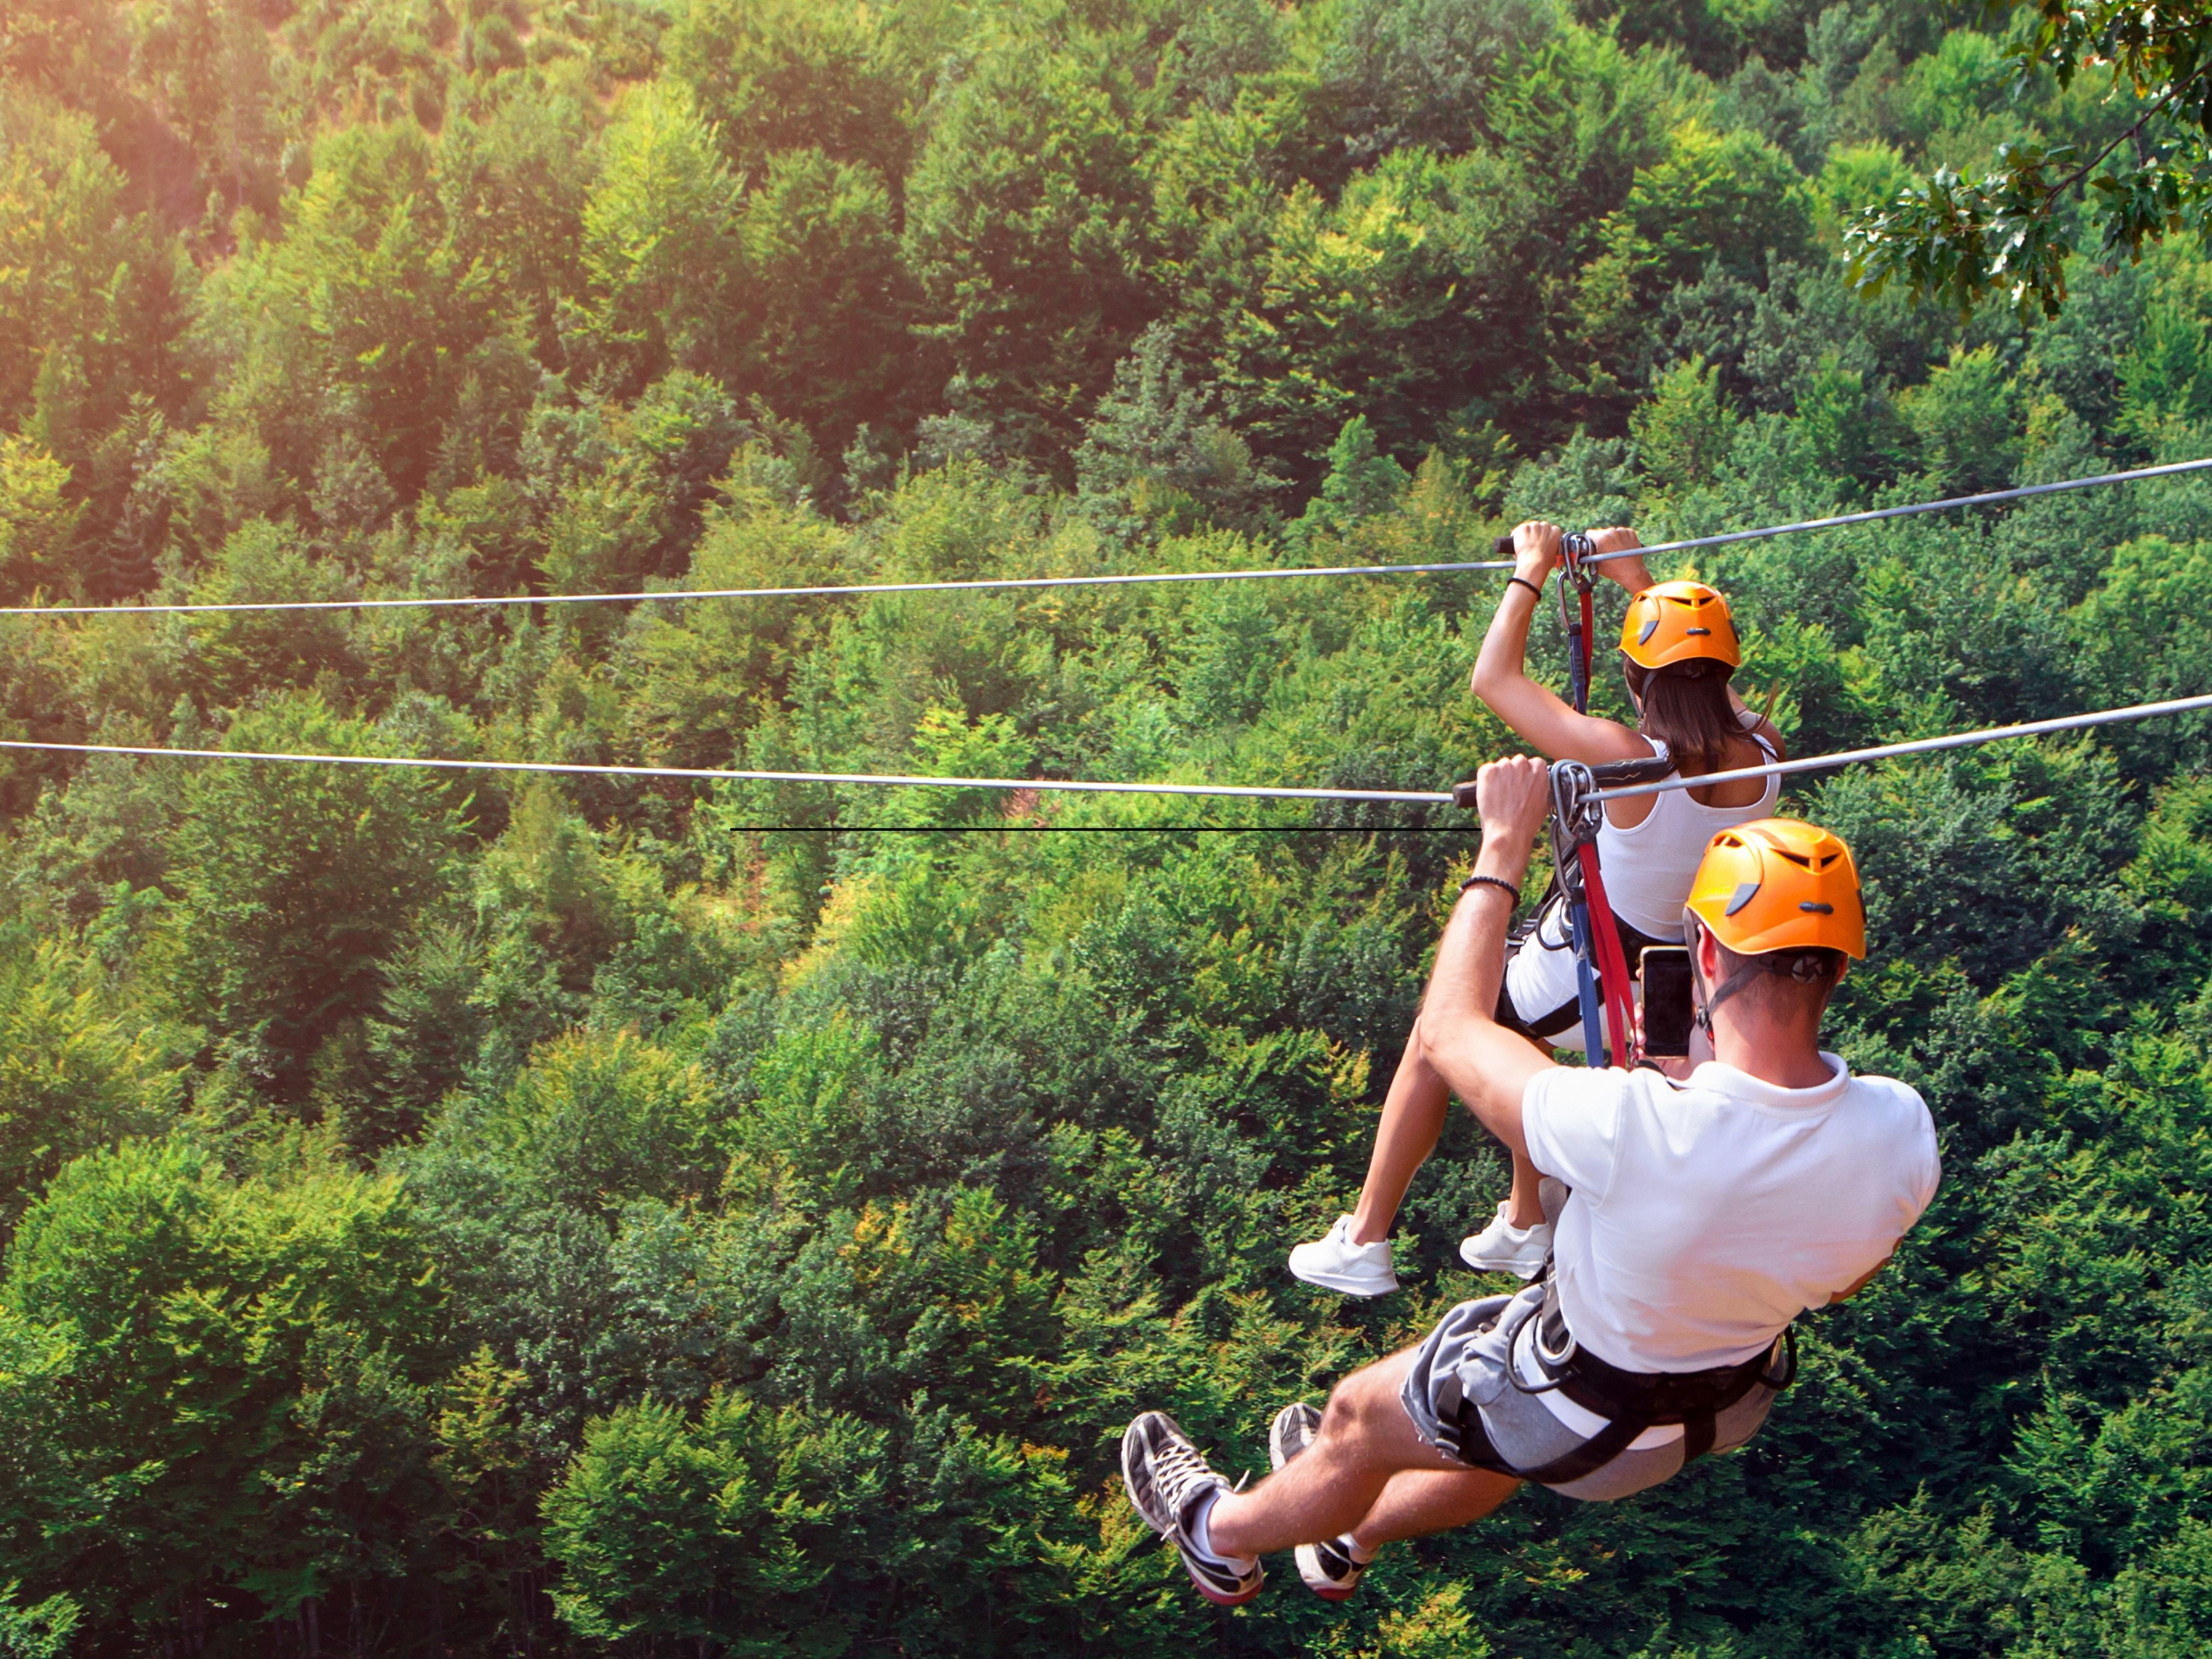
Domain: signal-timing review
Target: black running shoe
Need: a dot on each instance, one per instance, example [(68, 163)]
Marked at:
[(1167, 1480), (1329, 1568)]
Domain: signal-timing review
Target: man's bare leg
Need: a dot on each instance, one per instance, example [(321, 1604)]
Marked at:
[(1418, 1502), (1331, 1487)]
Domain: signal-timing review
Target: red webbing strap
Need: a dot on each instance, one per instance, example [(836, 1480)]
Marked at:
[(1612, 961)]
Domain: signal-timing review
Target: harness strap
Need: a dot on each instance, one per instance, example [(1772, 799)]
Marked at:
[(1612, 963), (1593, 1454), (1586, 988), (1698, 1436), (1630, 1401)]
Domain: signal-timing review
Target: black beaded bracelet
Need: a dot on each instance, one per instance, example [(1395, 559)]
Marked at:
[(1511, 891)]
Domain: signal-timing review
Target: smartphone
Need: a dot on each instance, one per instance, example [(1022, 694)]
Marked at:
[(1667, 1020)]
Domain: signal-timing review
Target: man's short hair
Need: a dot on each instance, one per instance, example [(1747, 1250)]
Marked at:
[(1786, 982)]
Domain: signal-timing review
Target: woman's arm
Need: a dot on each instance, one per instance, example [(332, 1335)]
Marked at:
[(1501, 677)]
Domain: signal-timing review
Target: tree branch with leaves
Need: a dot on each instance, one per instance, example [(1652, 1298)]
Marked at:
[(1959, 241)]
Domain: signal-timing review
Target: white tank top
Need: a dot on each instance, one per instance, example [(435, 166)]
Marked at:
[(1649, 869)]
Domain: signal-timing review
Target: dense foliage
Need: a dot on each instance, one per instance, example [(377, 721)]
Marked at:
[(2137, 178), (453, 1213)]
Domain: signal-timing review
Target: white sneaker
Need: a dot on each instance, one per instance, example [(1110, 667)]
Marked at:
[(1503, 1248), (1335, 1263)]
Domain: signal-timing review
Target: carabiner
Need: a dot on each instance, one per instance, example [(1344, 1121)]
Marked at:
[(1575, 614)]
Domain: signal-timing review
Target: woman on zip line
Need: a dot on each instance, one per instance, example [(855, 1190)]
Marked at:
[(1678, 647)]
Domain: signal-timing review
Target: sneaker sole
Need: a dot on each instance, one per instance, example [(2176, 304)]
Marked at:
[(1526, 1275), (1215, 1596), (1310, 1575), (1502, 1265), (1343, 1286)]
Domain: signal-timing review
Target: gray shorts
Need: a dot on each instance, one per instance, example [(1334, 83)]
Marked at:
[(1464, 1359)]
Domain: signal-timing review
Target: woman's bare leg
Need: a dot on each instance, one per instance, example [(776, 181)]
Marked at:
[(1524, 1208), (1413, 1122), (1413, 1112)]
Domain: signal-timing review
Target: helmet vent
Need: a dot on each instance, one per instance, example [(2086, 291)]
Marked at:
[(1803, 860)]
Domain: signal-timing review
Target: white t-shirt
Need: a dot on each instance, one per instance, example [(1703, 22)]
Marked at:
[(1706, 1215)]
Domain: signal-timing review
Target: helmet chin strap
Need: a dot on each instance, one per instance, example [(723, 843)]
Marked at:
[(1729, 986), (1803, 969)]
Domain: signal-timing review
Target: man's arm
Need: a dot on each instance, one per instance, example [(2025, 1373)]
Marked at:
[(1485, 1065)]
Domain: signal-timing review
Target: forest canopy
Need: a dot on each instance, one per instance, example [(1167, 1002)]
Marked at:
[(451, 1214)]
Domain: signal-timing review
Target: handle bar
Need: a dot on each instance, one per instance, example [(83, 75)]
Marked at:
[(1611, 774)]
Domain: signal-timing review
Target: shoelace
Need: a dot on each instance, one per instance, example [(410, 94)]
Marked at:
[(1176, 1468)]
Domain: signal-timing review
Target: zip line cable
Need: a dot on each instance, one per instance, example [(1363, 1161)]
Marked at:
[(1063, 785), (2141, 711), (1875, 515), (666, 596), (1002, 584)]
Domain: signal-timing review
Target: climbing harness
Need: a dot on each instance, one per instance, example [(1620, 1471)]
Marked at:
[(1629, 1402), (1600, 965), (1601, 979)]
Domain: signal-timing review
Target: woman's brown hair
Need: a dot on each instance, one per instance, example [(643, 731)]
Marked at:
[(1686, 706)]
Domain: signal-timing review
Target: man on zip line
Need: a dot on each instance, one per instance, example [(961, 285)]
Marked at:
[(1695, 1221)]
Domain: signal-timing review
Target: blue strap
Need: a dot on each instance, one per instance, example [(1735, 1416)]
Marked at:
[(1586, 984)]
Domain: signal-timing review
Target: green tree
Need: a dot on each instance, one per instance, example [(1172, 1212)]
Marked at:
[(89, 294), (240, 1455), (827, 306), (1967, 419), (792, 74), (295, 883), (1027, 229), (660, 237), (75, 1077), (38, 520), (716, 1533), (1683, 433)]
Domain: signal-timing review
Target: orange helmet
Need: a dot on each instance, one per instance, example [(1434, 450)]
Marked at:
[(1679, 622), (1778, 884)]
